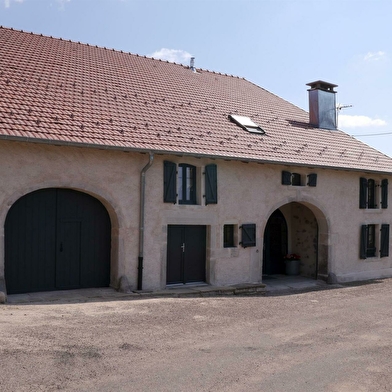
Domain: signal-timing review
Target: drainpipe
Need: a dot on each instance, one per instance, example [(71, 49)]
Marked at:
[(141, 222)]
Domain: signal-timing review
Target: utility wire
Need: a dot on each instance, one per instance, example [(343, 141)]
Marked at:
[(374, 134)]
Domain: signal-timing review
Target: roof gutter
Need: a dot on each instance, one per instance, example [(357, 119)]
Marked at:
[(180, 153), (141, 221)]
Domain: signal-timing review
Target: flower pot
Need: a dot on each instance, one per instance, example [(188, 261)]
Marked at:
[(292, 267)]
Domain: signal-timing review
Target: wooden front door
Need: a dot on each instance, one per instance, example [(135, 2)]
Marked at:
[(275, 244), (57, 239), (186, 254)]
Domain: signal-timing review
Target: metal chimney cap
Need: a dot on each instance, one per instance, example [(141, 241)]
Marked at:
[(321, 85), (192, 64)]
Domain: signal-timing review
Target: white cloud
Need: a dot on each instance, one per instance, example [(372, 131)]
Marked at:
[(172, 55), (347, 121), (7, 3), (375, 56)]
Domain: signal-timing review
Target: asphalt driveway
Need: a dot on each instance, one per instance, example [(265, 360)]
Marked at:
[(336, 339)]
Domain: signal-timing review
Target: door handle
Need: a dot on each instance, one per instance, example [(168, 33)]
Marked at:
[(183, 247), (61, 246)]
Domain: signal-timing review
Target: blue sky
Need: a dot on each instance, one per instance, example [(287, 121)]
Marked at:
[(277, 44)]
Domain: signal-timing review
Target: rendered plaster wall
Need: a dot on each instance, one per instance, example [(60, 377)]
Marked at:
[(112, 177), (324, 221), (247, 193), (340, 193)]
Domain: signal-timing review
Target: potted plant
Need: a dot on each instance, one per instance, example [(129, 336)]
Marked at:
[(292, 261)]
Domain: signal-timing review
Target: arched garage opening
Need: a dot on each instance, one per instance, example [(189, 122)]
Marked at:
[(296, 228), (56, 239)]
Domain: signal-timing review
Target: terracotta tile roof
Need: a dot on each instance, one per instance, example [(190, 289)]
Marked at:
[(57, 91)]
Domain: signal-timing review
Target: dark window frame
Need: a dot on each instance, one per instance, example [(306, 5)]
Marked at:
[(371, 241), (368, 241), (228, 236), (371, 194), (187, 183), (296, 179)]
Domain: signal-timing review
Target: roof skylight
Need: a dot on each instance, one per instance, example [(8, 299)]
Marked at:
[(247, 124)]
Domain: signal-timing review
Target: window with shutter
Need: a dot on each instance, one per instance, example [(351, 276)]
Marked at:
[(248, 235), (372, 194), (384, 193), (169, 182), (296, 179), (180, 183), (384, 246), (211, 184)]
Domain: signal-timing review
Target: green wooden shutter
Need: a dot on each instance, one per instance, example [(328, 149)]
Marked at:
[(211, 184), (362, 252), (362, 192), (312, 179), (384, 193), (384, 248), (169, 182), (286, 178), (248, 235)]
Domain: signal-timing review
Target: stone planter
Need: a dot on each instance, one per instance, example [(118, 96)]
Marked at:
[(292, 267)]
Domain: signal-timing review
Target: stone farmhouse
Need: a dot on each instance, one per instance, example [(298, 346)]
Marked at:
[(123, 170)]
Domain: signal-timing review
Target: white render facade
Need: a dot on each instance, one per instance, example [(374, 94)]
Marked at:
[(323, 221)]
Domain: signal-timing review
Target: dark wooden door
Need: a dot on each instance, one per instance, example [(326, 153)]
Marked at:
[(275, 244), (57, 239), (30, 243), (68, 254), (186, 254)]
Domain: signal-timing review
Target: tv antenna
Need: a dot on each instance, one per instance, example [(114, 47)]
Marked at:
[(339, 107)]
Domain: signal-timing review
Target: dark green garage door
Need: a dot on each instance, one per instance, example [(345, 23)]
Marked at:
[(57, 239)]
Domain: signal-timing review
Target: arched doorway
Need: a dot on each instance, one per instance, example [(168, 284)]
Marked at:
[(275, 244), (300, 228), (57, 239)]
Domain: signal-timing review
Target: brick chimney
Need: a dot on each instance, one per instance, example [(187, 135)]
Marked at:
[(322, 105)]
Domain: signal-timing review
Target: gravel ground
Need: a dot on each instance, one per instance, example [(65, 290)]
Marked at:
[(327, 340)]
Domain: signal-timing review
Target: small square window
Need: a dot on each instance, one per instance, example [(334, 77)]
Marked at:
[(228, 236), (296, 179)]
